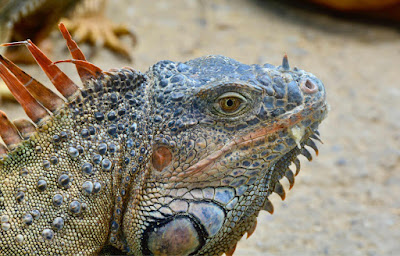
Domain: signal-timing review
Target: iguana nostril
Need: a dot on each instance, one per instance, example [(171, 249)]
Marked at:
[(162, 157), (309, 87)]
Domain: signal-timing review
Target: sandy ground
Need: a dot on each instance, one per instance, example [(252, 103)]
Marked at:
[(347, 201)]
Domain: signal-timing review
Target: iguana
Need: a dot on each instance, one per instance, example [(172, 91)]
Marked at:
[(35, 19), (175, 161)]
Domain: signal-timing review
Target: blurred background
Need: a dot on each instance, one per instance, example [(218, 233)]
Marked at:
[(346, 201)]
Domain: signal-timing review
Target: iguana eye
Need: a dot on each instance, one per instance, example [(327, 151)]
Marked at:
[(230, 103)]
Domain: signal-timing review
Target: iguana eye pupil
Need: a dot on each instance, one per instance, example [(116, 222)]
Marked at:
[(230, 104)]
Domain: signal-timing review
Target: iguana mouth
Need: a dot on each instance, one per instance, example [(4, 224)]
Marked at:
[(289, 121)]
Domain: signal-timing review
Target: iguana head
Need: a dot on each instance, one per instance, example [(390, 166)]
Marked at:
[(224, 134)]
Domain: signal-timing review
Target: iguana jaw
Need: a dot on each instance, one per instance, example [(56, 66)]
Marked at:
[(291, 122), (206, 218)]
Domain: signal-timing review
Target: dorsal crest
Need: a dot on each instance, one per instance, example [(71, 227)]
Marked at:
[(39, 102)]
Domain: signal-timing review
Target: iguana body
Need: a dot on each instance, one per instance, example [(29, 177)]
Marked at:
[(35, 19), (176, 161)]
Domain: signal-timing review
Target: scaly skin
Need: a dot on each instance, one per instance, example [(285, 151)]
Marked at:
[(177, 161)]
